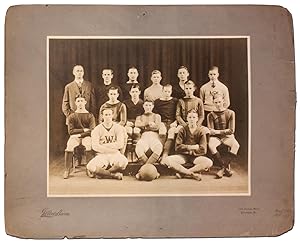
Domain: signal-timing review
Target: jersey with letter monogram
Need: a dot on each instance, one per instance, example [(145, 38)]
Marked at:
[(113, 136)]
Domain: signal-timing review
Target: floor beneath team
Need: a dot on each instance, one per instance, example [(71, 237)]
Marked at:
[(79, 184)]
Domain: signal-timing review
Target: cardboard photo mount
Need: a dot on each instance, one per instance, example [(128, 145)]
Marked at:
[(268, 211)]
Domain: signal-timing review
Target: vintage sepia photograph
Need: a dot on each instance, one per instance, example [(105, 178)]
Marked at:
[(148, 116)]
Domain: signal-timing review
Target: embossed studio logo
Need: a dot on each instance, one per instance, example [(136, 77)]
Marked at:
[(49, 213)]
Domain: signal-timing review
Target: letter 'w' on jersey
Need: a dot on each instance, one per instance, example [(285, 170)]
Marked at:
[(109, 139)]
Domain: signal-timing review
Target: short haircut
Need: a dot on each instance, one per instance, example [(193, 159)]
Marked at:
[(217, 95), (79, 96), (135, 86), (213, 68), (149, 101), (132, 67), (77, 65), (113, 88), (193, 111), (183, 67), (107, 108), (190, 82), (167, 86), (156, 72), (112, 71)]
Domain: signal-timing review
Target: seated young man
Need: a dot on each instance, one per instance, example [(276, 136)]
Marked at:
[(166, 108), (221, 123), (80, 125), (134, 107), (107, 141), (190, 147), (119, 109), (149, 123)]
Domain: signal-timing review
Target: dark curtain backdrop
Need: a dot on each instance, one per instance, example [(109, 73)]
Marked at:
[(230, 55)]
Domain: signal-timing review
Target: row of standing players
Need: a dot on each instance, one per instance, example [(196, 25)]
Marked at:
[(159, 123)]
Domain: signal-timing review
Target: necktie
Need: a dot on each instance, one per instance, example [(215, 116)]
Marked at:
[(80, 87)]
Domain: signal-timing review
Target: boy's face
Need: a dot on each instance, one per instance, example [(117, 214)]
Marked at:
[(156, 78), (132, 74), (192, 118), (167, 92), (219, 103), (107, 75), (148, 107), (135, 93), (78, 72), (107, 115), (182, 74), (213, 75), (113, 95), (80, 103), (189, 90)]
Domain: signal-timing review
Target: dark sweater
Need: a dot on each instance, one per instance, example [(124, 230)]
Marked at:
[(78, 121), (166, 109), (177, 91), (134, 110), (101, 93), (186, 138)]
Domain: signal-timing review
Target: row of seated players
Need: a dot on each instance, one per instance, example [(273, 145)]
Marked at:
[(155, 131)]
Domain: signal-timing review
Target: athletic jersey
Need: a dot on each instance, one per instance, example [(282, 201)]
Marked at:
[(186, 104), (78, 121), (166, 109), (153, 92), (177, 91), (144, 120), (101, 93), (185, 138), (119, 112), (208, 90), (126, 88), (134, 110), (114, 136), (223, 121)]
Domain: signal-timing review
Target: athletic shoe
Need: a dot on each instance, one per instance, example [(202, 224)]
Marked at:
[(227, 172), (158, 175), (137, 176), (66, 174), (220, 173), (178, 176), (196, 176)]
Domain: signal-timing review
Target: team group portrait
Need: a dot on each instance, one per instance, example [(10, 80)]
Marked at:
[(148, 116)]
